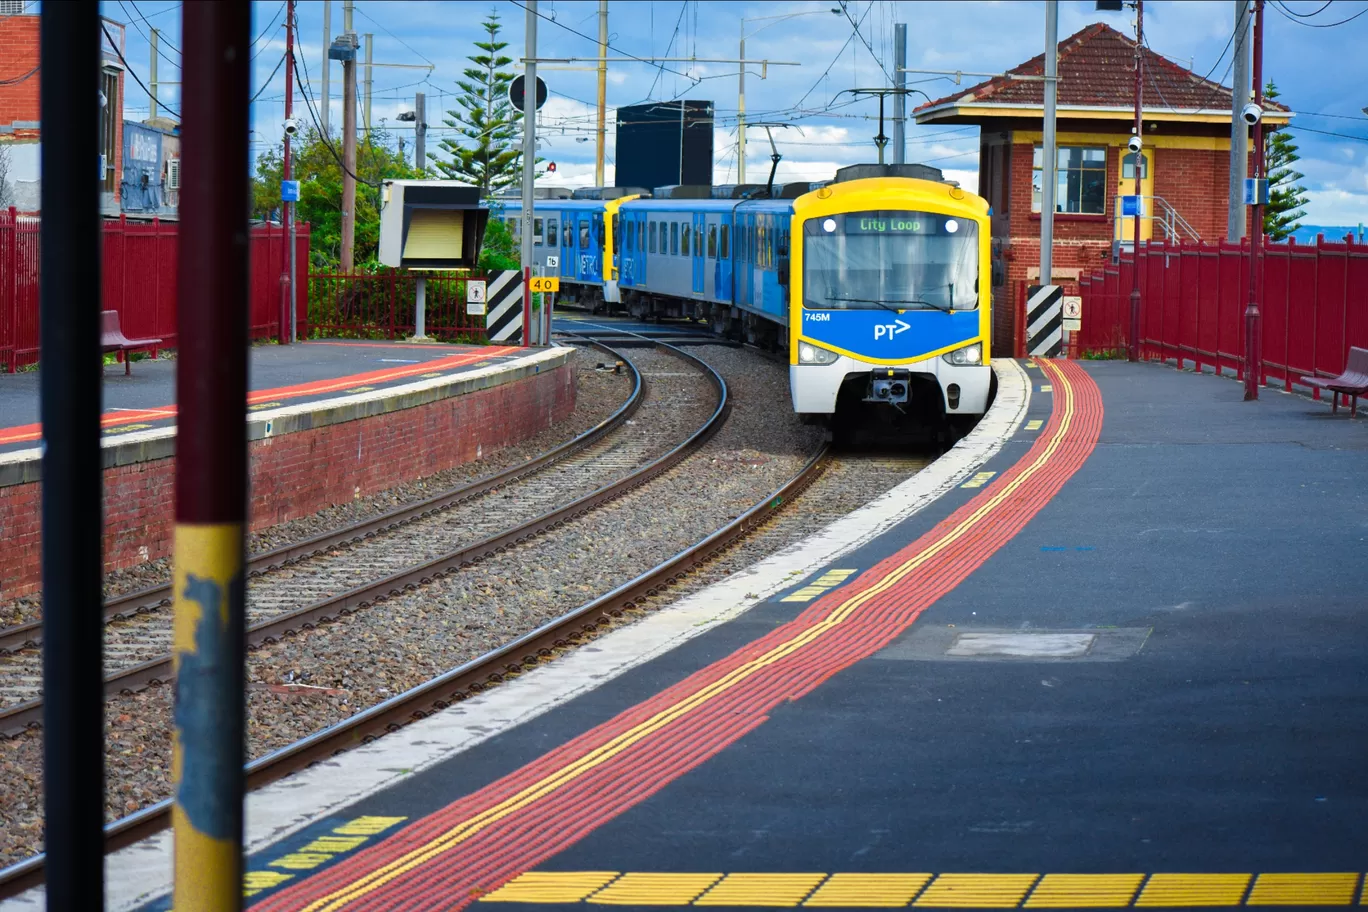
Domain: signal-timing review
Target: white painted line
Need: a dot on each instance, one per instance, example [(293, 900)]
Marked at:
[(142, 872)]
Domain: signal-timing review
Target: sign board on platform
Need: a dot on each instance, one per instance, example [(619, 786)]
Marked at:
[(1132, 206), (552, 262), (475, 296), (540, 284), (289, 191)]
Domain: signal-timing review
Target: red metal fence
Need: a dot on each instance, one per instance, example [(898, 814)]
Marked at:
[(139, 281), (1313, 301), (384, 306)]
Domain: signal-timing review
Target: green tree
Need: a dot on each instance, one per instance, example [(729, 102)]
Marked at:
[(1285, 196), (317, 168), (488, 154), (500, 249)]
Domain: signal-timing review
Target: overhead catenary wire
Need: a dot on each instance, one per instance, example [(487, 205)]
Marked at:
[(616, 50), (313, 115), (131, 72), (845, 8), (1301, 19)]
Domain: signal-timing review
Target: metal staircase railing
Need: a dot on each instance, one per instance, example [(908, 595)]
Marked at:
[(1158, 211)]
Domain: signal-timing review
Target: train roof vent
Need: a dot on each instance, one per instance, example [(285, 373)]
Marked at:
[(684, 191), (862, 172), (608, 193), (798, 188), (737, 191)]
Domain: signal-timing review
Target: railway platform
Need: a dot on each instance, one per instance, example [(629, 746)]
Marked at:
[(1105, 653)]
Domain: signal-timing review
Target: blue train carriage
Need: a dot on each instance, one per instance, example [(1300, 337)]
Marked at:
[(572, 234), (889, 296)]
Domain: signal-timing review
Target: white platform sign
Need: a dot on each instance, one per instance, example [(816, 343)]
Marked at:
[(475, 297), (552, 262)]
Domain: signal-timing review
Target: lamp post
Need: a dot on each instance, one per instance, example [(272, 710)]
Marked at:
[(741, 95)]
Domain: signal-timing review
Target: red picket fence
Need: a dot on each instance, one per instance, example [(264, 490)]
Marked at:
[(138, 280), (384, 306), (1313, 301)]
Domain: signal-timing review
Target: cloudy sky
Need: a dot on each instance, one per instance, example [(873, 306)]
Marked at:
[(1316, 63)]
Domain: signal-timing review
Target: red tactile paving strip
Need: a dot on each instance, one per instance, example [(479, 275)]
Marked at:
[(471, 847)]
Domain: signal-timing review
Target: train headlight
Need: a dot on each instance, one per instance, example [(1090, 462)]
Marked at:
[(970, 354), (815, 354)]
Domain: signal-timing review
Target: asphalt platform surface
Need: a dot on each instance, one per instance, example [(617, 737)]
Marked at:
[(278, 375), (1197, 708)]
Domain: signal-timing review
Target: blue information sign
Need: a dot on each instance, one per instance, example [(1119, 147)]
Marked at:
[(289, 191), (1132, 206)]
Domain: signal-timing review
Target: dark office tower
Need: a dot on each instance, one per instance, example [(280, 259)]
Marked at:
[(665, 143)]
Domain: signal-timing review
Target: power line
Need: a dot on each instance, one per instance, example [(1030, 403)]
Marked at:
[(845, 9), (541, 15), (1293, 126), (144, 19), (131, 72), (660, 70), (835, 59), (313, 115), (1324, 6), (15, 80), (267, 84), (1300, 18), (392, 35)]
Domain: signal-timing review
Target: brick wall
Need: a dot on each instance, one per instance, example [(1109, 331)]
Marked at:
[(297, 474), (1196, 183), (18, 55)]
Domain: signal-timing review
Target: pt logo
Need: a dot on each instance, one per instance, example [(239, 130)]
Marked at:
[(889, 330)]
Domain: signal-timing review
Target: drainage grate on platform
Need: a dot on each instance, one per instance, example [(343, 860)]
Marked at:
[(995, 644)]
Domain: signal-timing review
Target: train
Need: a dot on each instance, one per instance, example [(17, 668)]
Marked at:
[(876, 284)]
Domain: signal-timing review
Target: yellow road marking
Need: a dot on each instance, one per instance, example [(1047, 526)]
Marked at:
[(260, 406), (829, 580), (654, 889), (1073, 891), (1303, 890), (606, 752), (1046, 388), (1194, 890), (1034, 424), (550, 886), (869, 890), (979, 480), (359, 389), (126, 428), (979, 891), (760, 890)]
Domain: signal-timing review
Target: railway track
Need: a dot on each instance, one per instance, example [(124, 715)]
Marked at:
[(321, 579)]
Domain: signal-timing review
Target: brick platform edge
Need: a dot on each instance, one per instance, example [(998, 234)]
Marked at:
[(303, 458)]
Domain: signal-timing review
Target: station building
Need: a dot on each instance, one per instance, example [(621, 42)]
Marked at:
[(1184, 175)]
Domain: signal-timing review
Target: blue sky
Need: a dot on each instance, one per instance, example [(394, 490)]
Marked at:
[(1318, 69)]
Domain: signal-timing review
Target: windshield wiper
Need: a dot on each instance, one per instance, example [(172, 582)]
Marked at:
[(887, 305)]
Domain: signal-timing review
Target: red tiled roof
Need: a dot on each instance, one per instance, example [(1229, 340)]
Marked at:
[(1097, 69)]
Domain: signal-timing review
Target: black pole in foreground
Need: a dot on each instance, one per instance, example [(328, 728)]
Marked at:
[(73, 521)]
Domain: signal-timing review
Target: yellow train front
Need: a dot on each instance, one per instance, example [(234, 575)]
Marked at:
[(889, 299)]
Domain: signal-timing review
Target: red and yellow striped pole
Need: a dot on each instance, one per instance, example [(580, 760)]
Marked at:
[(211, 459)]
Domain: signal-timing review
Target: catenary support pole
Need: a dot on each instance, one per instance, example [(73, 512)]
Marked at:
[(326, 79), (211, 461), (294, 215), (741, 111), (529, 166), (152, 75), (73, 568), (420, 131), (1133, 346), (900, 97), (287, 286), (1049, 158), (348, 144), (602, 93), (366, 93), (1239, 132), (1253, 366)]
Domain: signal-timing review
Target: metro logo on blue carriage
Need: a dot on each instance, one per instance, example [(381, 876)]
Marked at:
[(879, 335)]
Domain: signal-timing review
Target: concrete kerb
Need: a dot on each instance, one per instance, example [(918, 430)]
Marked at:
[(143, 872)]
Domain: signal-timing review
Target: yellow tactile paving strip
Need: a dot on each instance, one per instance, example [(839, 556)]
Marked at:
[(934, 891)]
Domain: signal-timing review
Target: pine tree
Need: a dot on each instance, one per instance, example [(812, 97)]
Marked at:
[(489, 155), (1285, 195)]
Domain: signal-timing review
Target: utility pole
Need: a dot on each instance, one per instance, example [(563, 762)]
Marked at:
[(1253, 365), (1239, 133), (1049, 157), (900, 99), (741, 112), (348, 141), (529, 170), (366, 96), (602, 92), (288, 278), (327, 65), (420, 131), (152, 77), (1133, 348)]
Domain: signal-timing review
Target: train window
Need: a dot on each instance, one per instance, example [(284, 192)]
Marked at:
[(684, 239), (653, 237), (712, 241), (698, 240), (584, 236), (567, 236), (722, 244), (674, 238), (783, 242), (537, 227), (617, 236), (551, 231)]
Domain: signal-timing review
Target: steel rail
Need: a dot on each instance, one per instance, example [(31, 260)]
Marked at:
[(23, 717), (459, 683), (154, 598)]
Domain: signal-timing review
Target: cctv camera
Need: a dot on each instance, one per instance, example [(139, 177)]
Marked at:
[(1134, 144), (1252, 114), (291, 127)]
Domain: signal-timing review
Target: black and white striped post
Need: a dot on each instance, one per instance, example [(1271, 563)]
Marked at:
[(1044, 320), (504, 307)]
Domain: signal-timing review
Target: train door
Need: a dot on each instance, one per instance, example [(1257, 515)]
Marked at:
[(699, 253), (568, 259), (723, 267), (586, 249), (710, 286), (1125, 186), (631, 256)]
